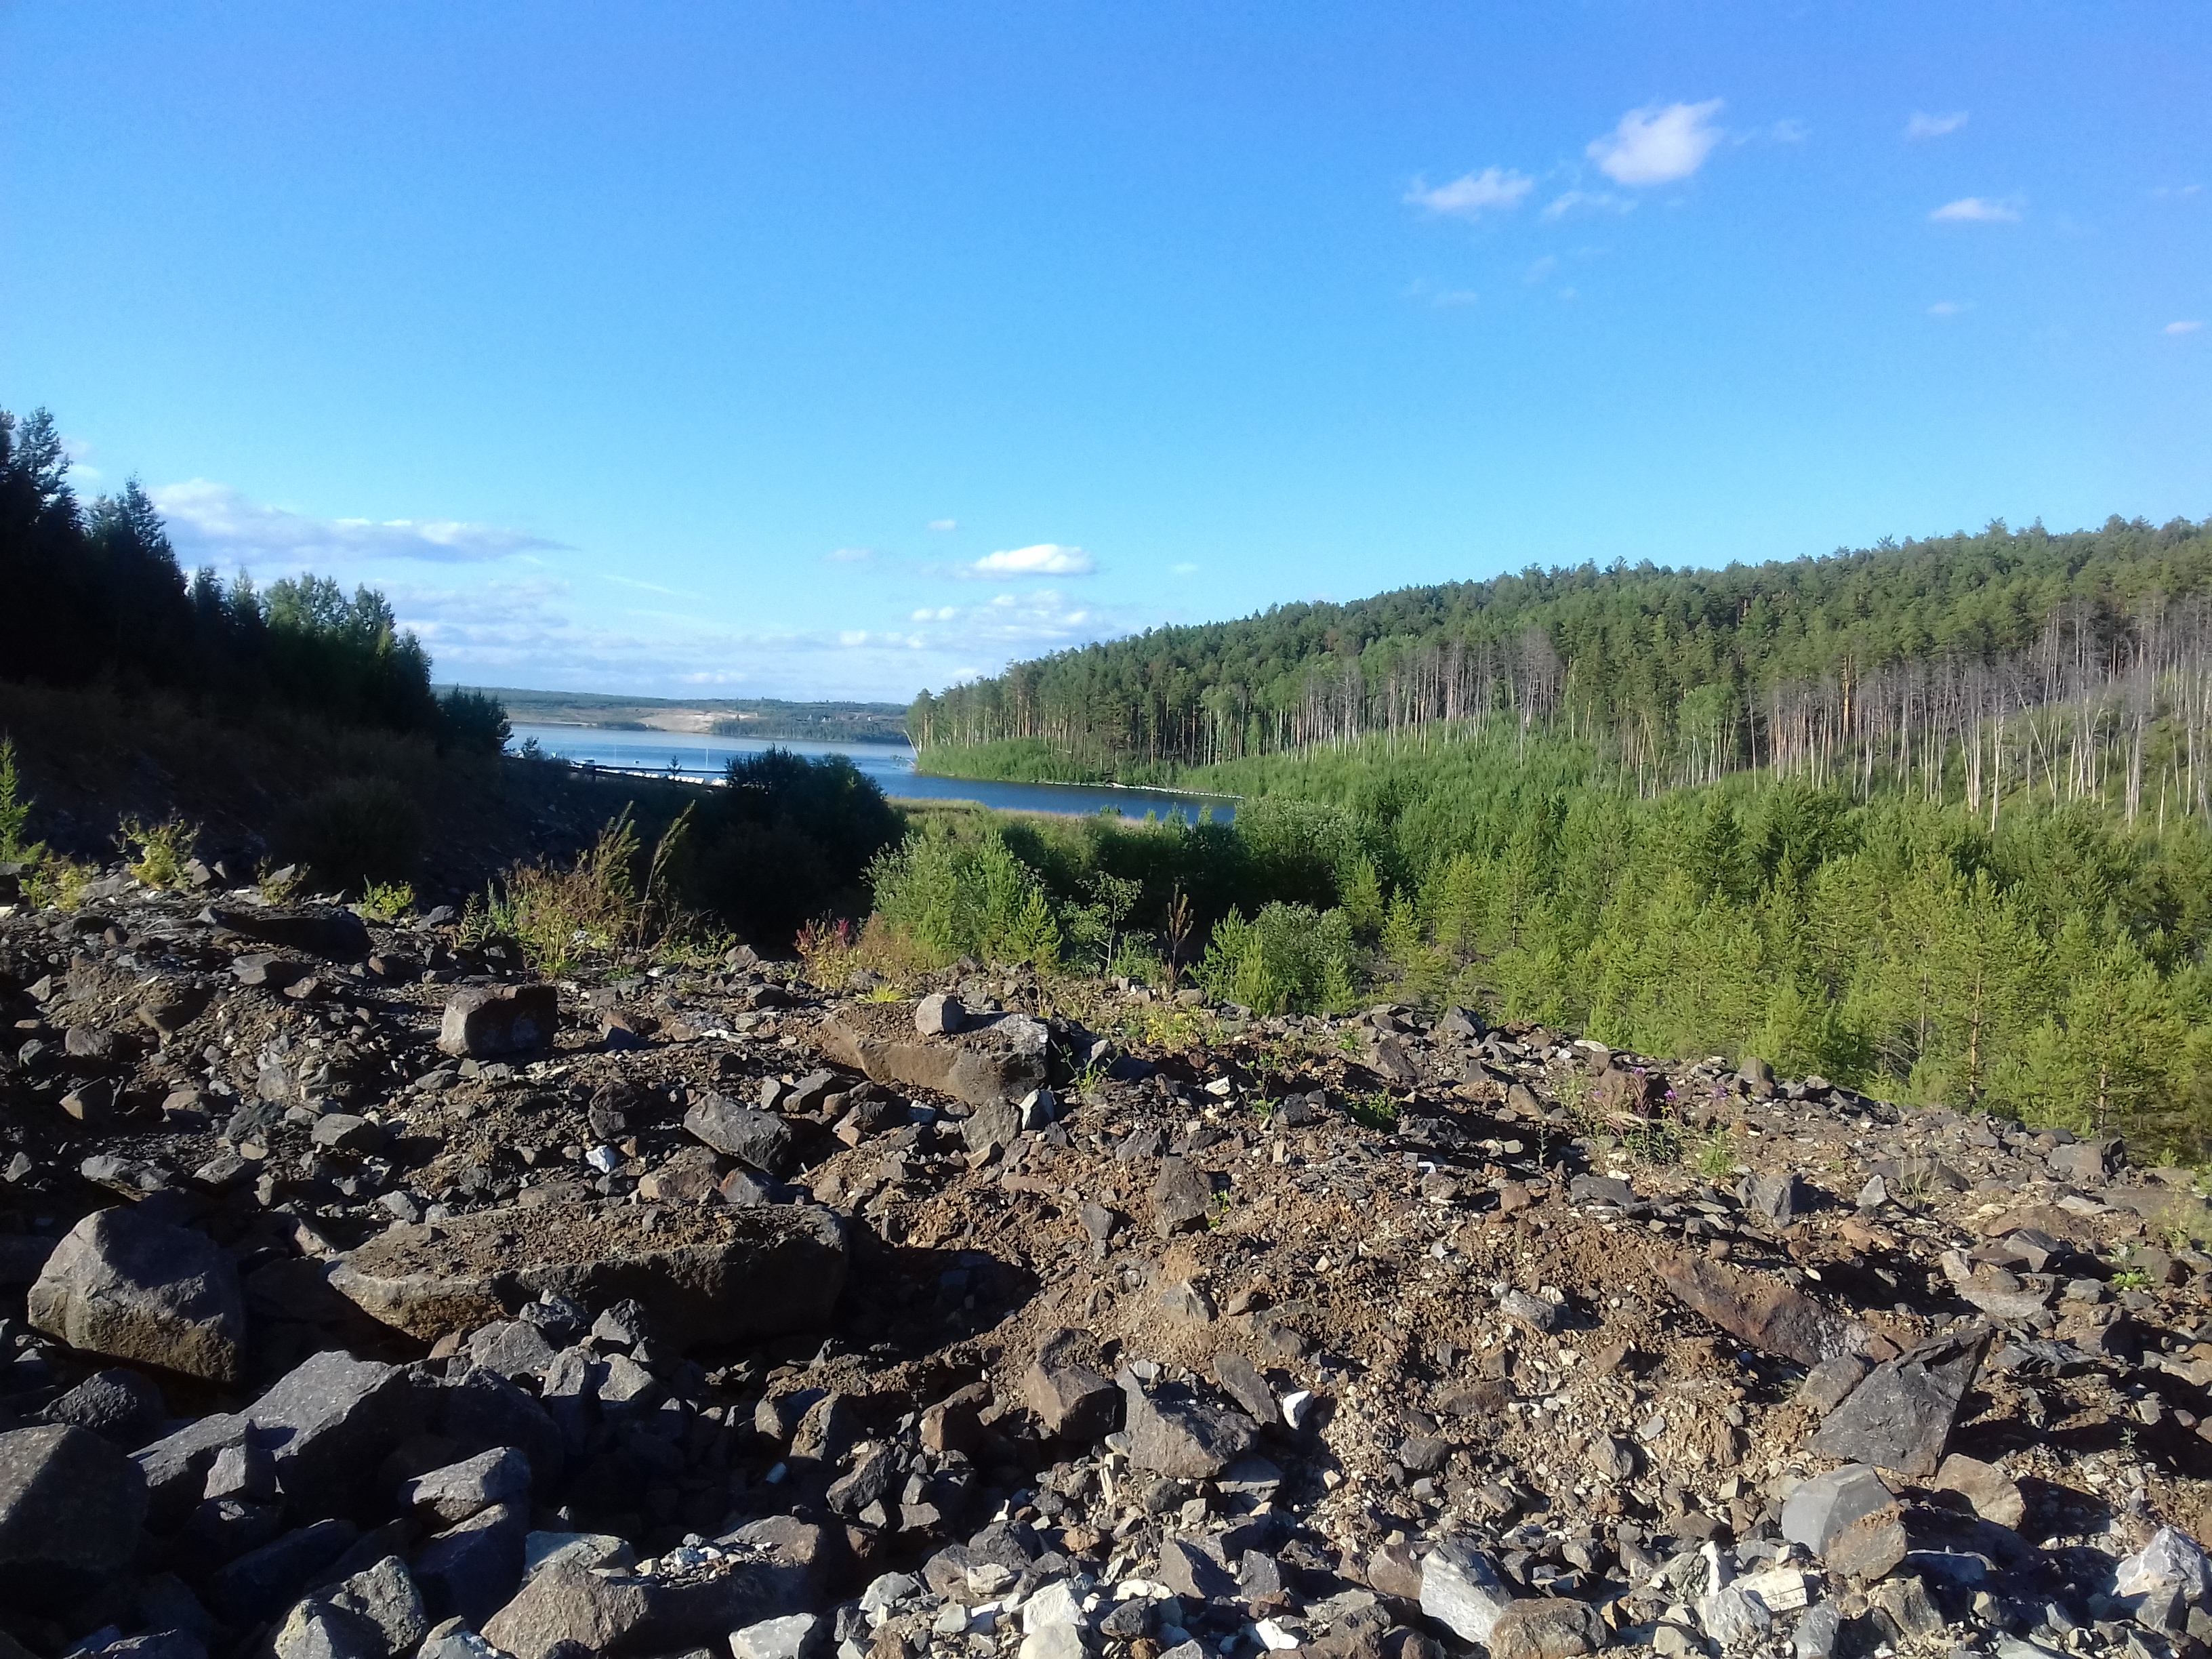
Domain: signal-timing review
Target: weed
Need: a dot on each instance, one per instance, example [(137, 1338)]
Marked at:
[(1349, 1042), (58, 882), (1377, 1110), (1177, 1029), (559, 916), (888, 991), (2131, 1279), (280, 884), (163, 849), (354, 831), (1094, 1073), (386, 901), (1717, 1156)]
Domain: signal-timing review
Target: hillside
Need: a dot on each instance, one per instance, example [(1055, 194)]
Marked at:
[(1886, 660), (722, 717)]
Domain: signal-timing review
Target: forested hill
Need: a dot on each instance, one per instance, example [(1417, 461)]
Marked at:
[(1687, 673)]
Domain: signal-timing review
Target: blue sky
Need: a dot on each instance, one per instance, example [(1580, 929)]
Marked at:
[(822, 349)]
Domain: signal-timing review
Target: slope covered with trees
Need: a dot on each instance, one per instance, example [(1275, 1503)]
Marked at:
[(1964, 667), (94, 594)]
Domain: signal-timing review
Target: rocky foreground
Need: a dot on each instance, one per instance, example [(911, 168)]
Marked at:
[(363, 1298)]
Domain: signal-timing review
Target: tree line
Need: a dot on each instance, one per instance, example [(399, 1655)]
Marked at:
[(1967, 668), (95, 594)]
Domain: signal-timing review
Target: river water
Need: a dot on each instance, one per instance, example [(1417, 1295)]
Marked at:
[(891, 765)]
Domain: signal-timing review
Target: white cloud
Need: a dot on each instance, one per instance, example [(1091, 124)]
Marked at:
[(1475, 193), (2189, 327), (1657, 144), (942, 613), (1587, 201), (1976, 210), (2176, 192), (1045, 559), (1790, 132), (1923, 126), (944, 524), (212, 522), (1948, 308), (849, 555), (1185, 569)]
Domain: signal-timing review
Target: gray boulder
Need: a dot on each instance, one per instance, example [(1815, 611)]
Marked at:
[(377, 1613), (619, 1615), (71, 1509), (1820, 1509), (1176, 1434), (337, 935), (486, 1021), (445, 1497), (702, 1273), (127, 1286), (753, 1137), (1462, 1590), (1900, 1417), (1547, 1627), (117, 1405), (939, 1014)]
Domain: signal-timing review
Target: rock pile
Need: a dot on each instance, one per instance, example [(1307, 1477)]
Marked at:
[(361, 1297)]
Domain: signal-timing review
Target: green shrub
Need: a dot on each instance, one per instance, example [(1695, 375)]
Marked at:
[(1289, 957), (355, 832), (949, 896), (472, 722)]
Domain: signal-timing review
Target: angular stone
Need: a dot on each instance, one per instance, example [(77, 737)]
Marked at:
[(120, 1407), (1900, 1417), (761, 1139), (792, 1637), (1189, 1570), (975, 1066), (262, 1583), (382, 1598), (1986, 1489), (1241, 1380), (620, 1615), (1871, 1546), (1173, 1433), (1548, 1628), (939, 1014), (335, 935), (1764, 1313), (445, 1497), (1829, 1383), (1071, 1401), (1182, 1193), (2172, 1561), (71, 1509), (1462, 1589), (1781, 1198), (483, 1022), (472, 1569), (126, 1286), (1820, 1509), (702, 1273), (991, 1128)]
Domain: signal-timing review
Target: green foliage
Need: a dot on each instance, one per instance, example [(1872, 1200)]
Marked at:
[(789, 840), (382, 901), (472, 722), (1019, 760), (15, 812), (953, 895), (163, 849), (1377, 1111), (96, 593), (355, 833), (1288, 957)]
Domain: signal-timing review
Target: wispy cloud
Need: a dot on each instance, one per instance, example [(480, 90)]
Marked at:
[(646, 587), (849, 556), (1922, 126), (1789, 131), (2189, 327), (942, 525), (1948, 308), (1185, 569), (1658, 143), (1045, 559), (1473, 194), (942, 613), (215, 523), (1976, 210), (1587, 201)]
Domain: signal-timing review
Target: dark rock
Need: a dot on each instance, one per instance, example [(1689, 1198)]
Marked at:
[(619, 1615), (1764, 1313), (334, 935), (973, 1067), (1781, 1198), (71, 1509), (1183, 1194), (1900, 1417), (481, 1410), (1173, 1433), (120, 1407), (473, 1569), (1548, 1628), (1822, 1508), (1072, 1401), (761, 1139), (262, 1583), (1189, 1570), (126, 1286), (1241, 1380), (483, 1022), (445, 1497)]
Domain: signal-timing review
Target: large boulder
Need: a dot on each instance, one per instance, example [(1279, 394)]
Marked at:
[(700, 1274), (71, 1509), (1766, 1314), (1900, 1417), (617, 1615), (753, 1137), (1174, 1432), (486, 1021), (126, 1286), (977, 1065)]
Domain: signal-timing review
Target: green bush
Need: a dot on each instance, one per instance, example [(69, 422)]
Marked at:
[(1289, 958), (949, 897), (472, 722), (787, 842), (354, 833)]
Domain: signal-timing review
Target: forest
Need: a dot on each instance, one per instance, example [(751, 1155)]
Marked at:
[(95, 595), (1963, 668)]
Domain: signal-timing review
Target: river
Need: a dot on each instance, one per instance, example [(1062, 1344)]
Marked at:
[(891, 765)]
